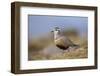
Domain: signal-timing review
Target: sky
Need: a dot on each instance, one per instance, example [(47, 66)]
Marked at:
[(39, 25)]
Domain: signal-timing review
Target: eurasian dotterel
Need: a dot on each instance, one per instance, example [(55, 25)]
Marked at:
[(61, 41)]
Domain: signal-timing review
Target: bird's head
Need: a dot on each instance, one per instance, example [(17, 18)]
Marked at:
[(56, 30)]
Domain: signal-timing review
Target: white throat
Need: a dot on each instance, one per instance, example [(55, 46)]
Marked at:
[(56, 34)]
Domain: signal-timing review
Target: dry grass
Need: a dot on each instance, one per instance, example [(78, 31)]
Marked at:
[(45, 49), (76, 54)]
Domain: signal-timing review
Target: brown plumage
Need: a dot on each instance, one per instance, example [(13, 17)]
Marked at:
[(61, 41)]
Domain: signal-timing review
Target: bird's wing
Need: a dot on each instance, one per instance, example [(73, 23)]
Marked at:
[(67, 41), (64, 41)]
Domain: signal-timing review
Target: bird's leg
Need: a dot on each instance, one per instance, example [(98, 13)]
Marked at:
[(69, 49), (64, 51)]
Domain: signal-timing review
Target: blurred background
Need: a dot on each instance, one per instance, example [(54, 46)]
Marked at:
[(40, 39)]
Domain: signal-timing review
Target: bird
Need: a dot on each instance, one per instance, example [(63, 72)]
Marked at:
[(61, 41)]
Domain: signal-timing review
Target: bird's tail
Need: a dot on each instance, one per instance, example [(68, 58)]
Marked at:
[(75, 45)]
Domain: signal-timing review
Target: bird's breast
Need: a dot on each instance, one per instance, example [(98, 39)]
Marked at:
[(59, 41)]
